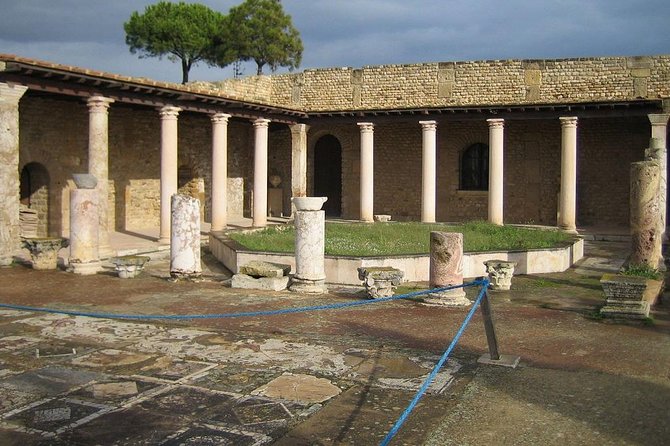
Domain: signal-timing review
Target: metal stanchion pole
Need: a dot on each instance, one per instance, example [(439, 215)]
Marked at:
[(493, 357)]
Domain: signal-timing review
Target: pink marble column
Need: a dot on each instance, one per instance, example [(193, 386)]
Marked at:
[(10, 229), (84, 230), (367, 171), (169, 173), (446, 269), (496, 188), (98, 162), (219, 171), (260, 209), (568, 194), (429, 171)]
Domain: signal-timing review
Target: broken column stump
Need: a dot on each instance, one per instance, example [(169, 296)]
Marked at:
[(259, 275)]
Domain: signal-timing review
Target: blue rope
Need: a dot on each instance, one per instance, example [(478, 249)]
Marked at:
[(398, 424), (236, 315)]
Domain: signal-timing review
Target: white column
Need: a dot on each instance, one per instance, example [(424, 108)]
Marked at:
[(260, 211), (10, 229), (496, 144), (367, 171), (299, 160), (429, 171), (169, 165), (98, 162), (659, 129), (568, 194), (219, 171)]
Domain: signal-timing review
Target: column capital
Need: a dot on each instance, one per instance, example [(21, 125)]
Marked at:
[(169, 112), (428, 125), (658, 118), (219, 117), (366, 127), (496, 122), (11, 93), (98, 104), (297, 129), (261, 122), (568, 121)]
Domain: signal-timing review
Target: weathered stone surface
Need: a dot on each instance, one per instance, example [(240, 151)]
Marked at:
[(446, 269), (382, 218), (259, 283), (310, 273), (130, 266), (44, 251), (185, 237), (259, 268), (84, 222), (645, 213), (380, 281), (300, 388), (500, 274), (625, 297)]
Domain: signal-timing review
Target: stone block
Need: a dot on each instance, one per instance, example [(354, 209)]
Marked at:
[(245, 281), (380, 281), (382, 218), (258, 268)]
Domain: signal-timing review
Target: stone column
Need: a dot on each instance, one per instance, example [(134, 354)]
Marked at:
[(367, 171), (645, 214), (169, 166), (429, 171), (219, 171), (496, 178), (310, 224), (659, 130), (446, 269), (10, 230), (84, 226), (298, 161), (568, 194), (185, 238), (98, 162), (260, 210)]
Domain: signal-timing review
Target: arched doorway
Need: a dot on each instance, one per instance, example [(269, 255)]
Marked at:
[(328, 174), (34, 200)]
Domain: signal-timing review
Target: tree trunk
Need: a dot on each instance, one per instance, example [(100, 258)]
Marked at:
[(185, 68)]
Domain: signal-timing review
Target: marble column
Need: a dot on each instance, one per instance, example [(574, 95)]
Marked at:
[(310, 236), (659, 130), (645, 214), (169, 166), (496, 177), (98, 162), (568, 195), (446, 269), (367, 171), (10, 229), (185, 238), (84, 228), (429, 171), (298, 161), (219, 171), (260, 209)]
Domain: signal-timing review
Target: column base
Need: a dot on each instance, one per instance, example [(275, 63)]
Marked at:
[(449, 298), (85, 268), (164, 240), (569, 229), (308, 286)]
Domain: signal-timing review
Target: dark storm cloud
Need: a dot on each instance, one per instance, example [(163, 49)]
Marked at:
[(356, 32)]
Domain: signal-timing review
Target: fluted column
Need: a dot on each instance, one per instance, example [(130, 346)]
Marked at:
[(496, 188), (659, 130), (260, 211), (367, 171), (298, 161), (219, 171), (568, 195), (10, 229), (429, 171), (169, 166), (98, 162)]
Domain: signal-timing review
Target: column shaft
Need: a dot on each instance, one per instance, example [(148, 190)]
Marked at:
[(367, 171), (496, 177), (169, 165), (98, 162), (659, 129), (568, 194), (429, 171), (219, 171), (299, 160), (260, 210)]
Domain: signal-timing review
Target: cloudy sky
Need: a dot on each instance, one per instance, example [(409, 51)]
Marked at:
[(354, 33)]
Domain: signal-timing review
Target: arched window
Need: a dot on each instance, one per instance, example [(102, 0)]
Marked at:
[(475, 167)]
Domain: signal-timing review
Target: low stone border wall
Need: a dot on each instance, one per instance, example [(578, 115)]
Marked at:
[(344, 270)]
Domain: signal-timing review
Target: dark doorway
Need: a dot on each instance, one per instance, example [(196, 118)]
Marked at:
[(328, 174)]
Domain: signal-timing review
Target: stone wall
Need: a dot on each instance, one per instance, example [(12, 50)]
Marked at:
[(473, 83)]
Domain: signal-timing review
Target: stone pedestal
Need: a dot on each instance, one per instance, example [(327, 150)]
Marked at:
[(645, 213), (185, 238), (259, 275), (500, 274), (446, 269), (380, 281), (44, 251), (310, 221), (625, 297), (84, 222)]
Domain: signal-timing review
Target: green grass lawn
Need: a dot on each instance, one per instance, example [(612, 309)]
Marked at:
[(401, 238)]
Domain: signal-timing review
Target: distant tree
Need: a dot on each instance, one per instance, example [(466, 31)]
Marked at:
[(180, 31), (261, 31)]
